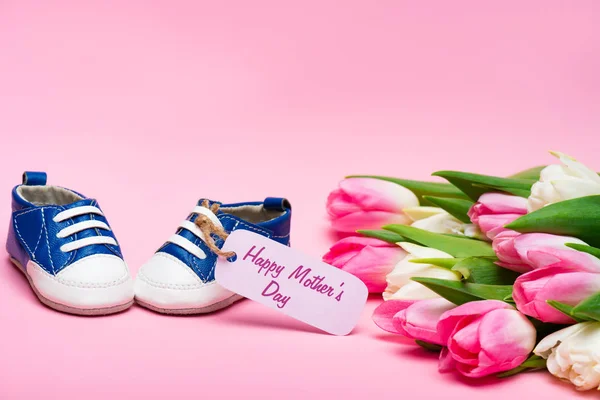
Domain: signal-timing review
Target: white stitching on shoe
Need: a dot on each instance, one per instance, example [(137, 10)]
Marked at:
[(23, 240), (47, 241), (37, 243), (65, 282), (16, 223)]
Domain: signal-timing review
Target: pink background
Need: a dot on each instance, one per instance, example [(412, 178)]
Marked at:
[(148, 106)]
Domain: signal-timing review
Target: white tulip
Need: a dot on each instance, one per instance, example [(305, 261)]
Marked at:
[(567, 181), (436, 220), (573, 354), (421, 212), (401, 287)]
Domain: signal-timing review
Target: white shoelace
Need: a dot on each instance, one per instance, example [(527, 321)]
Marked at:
[(192, 227), (81, 226)]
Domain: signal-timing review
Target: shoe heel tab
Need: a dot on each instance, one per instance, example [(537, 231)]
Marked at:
[(33, 178), (277, 203)]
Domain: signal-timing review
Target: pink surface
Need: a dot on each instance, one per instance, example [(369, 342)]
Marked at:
[(150, 105)]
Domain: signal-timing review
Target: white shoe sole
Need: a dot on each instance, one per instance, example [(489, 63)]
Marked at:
[(190, 311), (69, 309)]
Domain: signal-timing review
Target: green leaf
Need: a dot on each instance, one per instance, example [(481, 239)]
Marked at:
[(461, 292), (455, 246), (533, 363), (562, 307), (421, 188), (458, 208), (512, 372), (462, 237), (429, 346), (509, 190), (576, 217), (474, 185), (484, 270), (531, 173), (588, 308), (509, 299), (386, 236), (585, 248), (440, 262)]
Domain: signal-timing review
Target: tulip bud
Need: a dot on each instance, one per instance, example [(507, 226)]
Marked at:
[(526, 252), (484, 338), (365, 203), (399, 283), (532, 291), (570, 180), (573, 354), (368, 259), (412, 319), (494, 210), (436, 220)]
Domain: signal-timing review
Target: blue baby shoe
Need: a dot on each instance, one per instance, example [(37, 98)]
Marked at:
[(180, 277), (63, 244)]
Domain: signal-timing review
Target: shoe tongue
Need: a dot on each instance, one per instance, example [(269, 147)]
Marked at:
[(81, 203)]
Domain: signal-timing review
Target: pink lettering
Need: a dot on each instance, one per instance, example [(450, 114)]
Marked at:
[(272, 290)]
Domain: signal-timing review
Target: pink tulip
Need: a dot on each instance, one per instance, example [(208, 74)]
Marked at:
[(504, 246), (368, 259), (530, 251), (484, 338), (414, 319), (561, 283), (494, 210), (365, 203)]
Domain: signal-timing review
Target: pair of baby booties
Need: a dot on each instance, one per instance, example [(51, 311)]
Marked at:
[(62, 242)]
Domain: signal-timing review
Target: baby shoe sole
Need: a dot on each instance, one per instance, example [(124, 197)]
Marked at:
[(190, 311), (67, 309)]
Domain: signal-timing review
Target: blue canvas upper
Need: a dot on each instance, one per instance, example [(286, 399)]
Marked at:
[(32, 231), (277, 229)]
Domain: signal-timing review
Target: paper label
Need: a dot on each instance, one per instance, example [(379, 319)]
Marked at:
[(289, 281)]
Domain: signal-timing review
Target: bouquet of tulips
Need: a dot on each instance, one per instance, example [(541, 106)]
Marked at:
[(501, 275)]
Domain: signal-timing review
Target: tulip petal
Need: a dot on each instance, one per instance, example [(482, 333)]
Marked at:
[(450, 319), (339, 260), (464, 343), (495, 222), (575, 168), (384, 313), (533, 289), (506, 338), (498, 203), (401, 285), (422, 212), (340, 204), (440, 223), (573, 188), (411, 290), (377, 194), (358, 242), (419, 251), (419, 321), (504, 246), (545, 346), (372, 265), (446, 362), (542, 249), (367, 220)]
